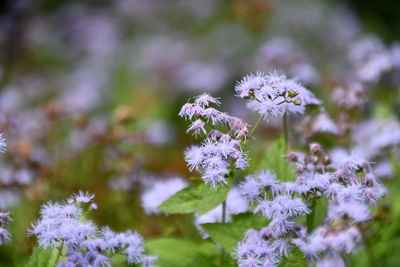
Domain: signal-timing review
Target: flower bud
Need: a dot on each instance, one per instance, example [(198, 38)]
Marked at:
[(327, 160), (297, 102), (315, 148), (292, 93), (320, 168), (300, 168), (292, 157), (314, 159)]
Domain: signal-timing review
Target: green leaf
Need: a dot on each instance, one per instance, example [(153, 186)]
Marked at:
[(229, 234), (274, 160), (197, 197), (320, 210), (295, 259), (176, 252), (42, 258)]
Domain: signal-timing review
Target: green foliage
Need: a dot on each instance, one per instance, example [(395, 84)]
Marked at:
[(319, 208), (178, 253), (42, 258), (274, 160), (229, 234), (295, 259), (197, 197)]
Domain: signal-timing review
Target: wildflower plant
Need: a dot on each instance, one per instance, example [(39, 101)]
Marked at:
[(310, 209)]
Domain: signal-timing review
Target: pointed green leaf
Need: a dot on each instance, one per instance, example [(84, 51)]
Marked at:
[(274, 160), (177, 252), (295, 259), (229, 234), (42, 258), (197, 197)]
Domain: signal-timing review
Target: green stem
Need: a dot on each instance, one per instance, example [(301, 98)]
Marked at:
[(311, 216), (285, 144), (256, 125), (59, 253), (223, 221), (224, 211), (367, 246)]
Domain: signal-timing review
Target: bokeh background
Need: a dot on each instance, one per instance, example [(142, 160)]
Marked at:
[(90, 92)]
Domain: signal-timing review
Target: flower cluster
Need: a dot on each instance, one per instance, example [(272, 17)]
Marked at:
[(370, 58), (330, 242), (267, 246), (5, 219), (317, 124), (349, 96), (220, 150), (350, 187), (257, 250), (62, 226), (274, 94)]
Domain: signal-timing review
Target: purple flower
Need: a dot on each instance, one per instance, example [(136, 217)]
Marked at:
[(5, 236), (274, 94), (205, 100), (62, 224), (197, 127), (83, 197)]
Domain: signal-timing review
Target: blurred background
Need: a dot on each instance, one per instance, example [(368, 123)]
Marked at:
[(90, 92)]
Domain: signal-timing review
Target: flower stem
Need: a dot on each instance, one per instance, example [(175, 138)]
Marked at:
[(311, 216), (223, 219), (256, 125), (285, 144), (59, 252), (224, 211), (367, 246)]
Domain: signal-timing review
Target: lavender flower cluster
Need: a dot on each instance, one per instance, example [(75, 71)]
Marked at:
[(5, 219), (350, 187), (63, 226), (5, 236), (274, 94), (221, 150)]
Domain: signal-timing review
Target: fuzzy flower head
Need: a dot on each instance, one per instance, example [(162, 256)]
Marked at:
[(254, 186), (255, 250), (274, 94), (83, 197), (326, 241)]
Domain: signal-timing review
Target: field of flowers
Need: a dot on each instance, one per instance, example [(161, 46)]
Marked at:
[(252, 133)]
